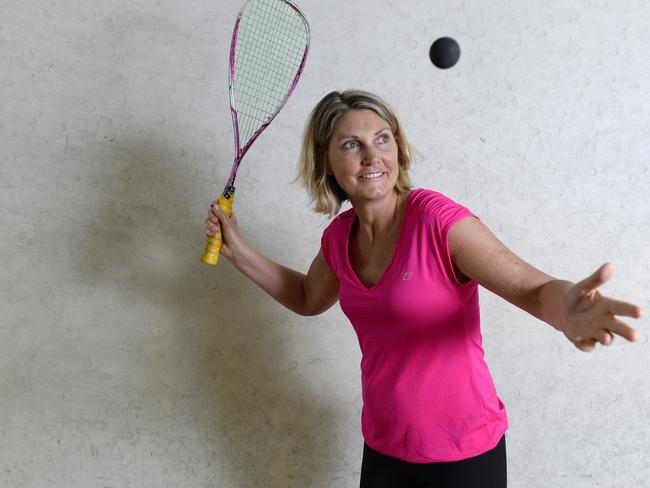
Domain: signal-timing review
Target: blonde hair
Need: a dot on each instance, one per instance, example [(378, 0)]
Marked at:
[(324, 190)]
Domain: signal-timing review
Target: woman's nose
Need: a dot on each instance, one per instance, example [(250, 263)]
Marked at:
[(370, 154)]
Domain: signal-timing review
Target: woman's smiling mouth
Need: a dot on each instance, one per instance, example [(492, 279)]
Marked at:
[(371, 176)]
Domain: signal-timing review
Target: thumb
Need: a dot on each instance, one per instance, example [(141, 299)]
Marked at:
[(596, 279)]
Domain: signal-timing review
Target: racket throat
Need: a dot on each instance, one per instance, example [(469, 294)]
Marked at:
[(228, 192)]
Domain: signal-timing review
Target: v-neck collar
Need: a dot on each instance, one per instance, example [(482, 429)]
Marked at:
[(398, 245)]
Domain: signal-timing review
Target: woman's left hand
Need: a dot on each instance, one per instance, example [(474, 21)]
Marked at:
[(590, 317)]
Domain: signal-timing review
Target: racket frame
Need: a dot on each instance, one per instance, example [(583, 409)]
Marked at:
[(225, 202), (240, 151)]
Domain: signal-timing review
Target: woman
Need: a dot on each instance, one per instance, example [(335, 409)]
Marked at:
[(406, 265)]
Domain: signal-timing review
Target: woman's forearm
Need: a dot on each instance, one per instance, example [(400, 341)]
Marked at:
[(283, 284)]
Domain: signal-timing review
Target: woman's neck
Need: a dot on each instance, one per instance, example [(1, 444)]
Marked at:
[(379, 220)]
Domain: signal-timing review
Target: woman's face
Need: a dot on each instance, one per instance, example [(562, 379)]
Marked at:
[(363, 155)]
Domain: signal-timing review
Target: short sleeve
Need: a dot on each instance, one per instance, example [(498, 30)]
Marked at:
[(444, 213), (451, 212), (334, 242), (326, 248)]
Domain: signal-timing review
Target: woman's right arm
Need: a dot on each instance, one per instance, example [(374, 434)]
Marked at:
[(309, 294)]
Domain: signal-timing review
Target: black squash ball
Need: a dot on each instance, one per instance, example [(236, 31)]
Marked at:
[(444, 52)]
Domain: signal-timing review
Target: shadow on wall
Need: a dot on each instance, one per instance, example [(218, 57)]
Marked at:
[(201, 353)]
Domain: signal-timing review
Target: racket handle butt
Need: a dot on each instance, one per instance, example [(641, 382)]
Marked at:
[(213, 245)]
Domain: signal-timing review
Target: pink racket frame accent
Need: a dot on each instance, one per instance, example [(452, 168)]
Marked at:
[(240, 151)]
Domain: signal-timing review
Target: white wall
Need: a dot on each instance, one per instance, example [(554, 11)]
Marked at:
[(125, 362)]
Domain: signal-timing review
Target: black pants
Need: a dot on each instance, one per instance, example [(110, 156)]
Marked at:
[(487, 470)]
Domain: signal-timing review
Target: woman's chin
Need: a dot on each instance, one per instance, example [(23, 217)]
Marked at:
[(368, 193)]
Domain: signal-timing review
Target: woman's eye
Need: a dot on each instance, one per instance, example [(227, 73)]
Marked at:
[(350, 145), (384, 138)]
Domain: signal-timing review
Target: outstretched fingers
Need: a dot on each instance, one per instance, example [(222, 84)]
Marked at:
[(625, 309), (619, 307), (621, 328)]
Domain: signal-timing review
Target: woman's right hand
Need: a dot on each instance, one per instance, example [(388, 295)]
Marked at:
[(218, 221), (309, 294)]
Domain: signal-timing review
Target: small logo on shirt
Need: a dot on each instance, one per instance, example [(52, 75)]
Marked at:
[(407, 276)]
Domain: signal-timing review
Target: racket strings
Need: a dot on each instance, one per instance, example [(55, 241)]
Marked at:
[(271, 43)]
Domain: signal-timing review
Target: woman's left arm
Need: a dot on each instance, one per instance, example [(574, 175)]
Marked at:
[(576, 309)]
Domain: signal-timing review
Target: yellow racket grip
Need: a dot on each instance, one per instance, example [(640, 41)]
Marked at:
[(213, 246)]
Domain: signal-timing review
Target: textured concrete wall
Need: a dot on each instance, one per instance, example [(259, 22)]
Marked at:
[(124, 362)]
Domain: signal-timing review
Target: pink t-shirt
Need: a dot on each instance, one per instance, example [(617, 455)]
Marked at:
[(428, 395)]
